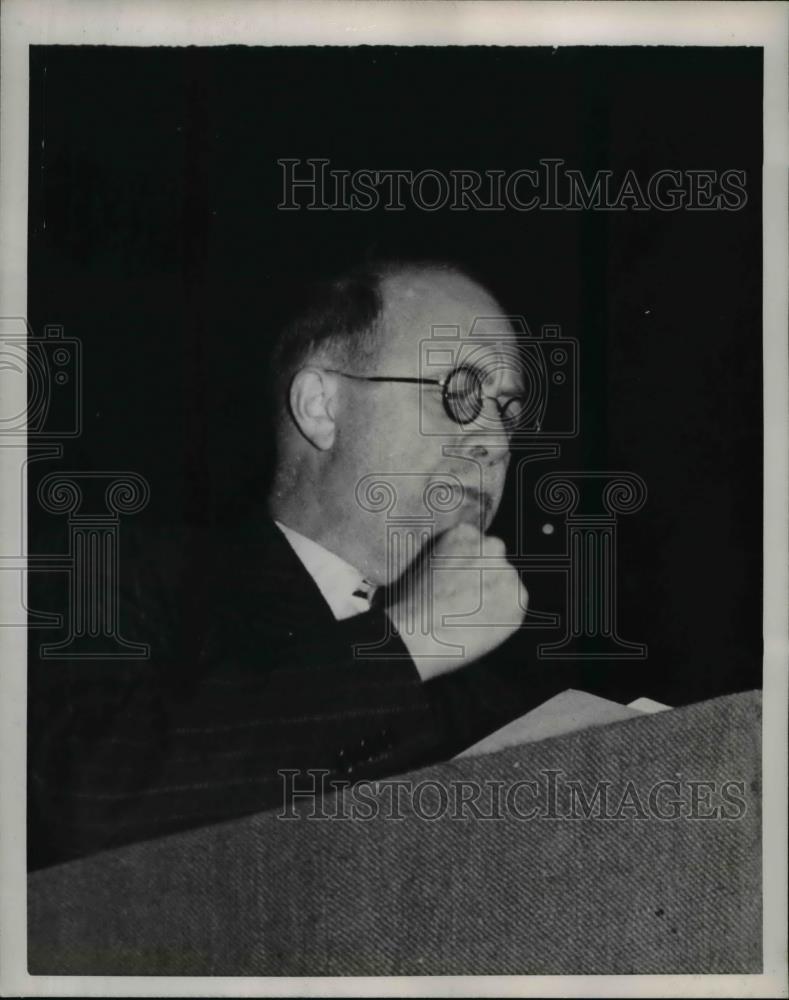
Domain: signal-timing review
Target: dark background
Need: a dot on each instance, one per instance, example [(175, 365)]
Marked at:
[(155, 239)]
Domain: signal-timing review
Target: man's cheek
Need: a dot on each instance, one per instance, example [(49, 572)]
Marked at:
[(491, 511)]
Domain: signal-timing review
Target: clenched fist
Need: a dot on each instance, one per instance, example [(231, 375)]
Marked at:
[(460, 601)]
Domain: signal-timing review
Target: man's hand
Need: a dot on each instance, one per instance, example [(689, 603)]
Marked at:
[(482, 598)]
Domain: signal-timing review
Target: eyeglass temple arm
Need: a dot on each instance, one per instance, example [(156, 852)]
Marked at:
[(397, 378), (386, 378), (419, 381)]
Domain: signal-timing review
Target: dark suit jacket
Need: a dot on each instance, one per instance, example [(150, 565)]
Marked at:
[(249, 674)]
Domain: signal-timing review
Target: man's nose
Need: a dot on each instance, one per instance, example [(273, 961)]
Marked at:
[(487, 437), (495, 451), (488, 448)]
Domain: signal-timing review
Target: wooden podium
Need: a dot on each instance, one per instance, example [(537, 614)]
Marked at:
[(632, 847)]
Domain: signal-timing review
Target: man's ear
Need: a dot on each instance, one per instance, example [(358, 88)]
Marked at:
[(313, 403)]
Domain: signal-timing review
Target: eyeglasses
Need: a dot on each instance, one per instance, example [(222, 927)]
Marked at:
[(462, 394)]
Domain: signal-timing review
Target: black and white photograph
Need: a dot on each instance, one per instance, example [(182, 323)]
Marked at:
[(394, 483)]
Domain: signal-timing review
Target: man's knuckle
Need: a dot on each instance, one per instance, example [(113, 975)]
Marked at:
[(453, 539)]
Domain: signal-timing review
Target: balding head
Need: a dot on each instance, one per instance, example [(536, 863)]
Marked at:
[(415, 297), (341, 319)]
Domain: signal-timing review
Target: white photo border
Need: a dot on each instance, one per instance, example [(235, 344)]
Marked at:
[(399, 22)]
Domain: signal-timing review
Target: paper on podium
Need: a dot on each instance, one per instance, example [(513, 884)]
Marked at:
[(564, 713)]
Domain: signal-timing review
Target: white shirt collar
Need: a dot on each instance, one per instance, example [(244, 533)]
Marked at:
[(336, 579)]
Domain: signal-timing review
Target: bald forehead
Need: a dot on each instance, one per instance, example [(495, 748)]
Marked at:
[(423, 307), (415, 301)]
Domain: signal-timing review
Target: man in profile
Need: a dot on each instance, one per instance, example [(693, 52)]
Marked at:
[(304, 642)]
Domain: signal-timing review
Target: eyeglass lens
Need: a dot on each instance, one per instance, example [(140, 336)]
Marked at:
[(464, 398)]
